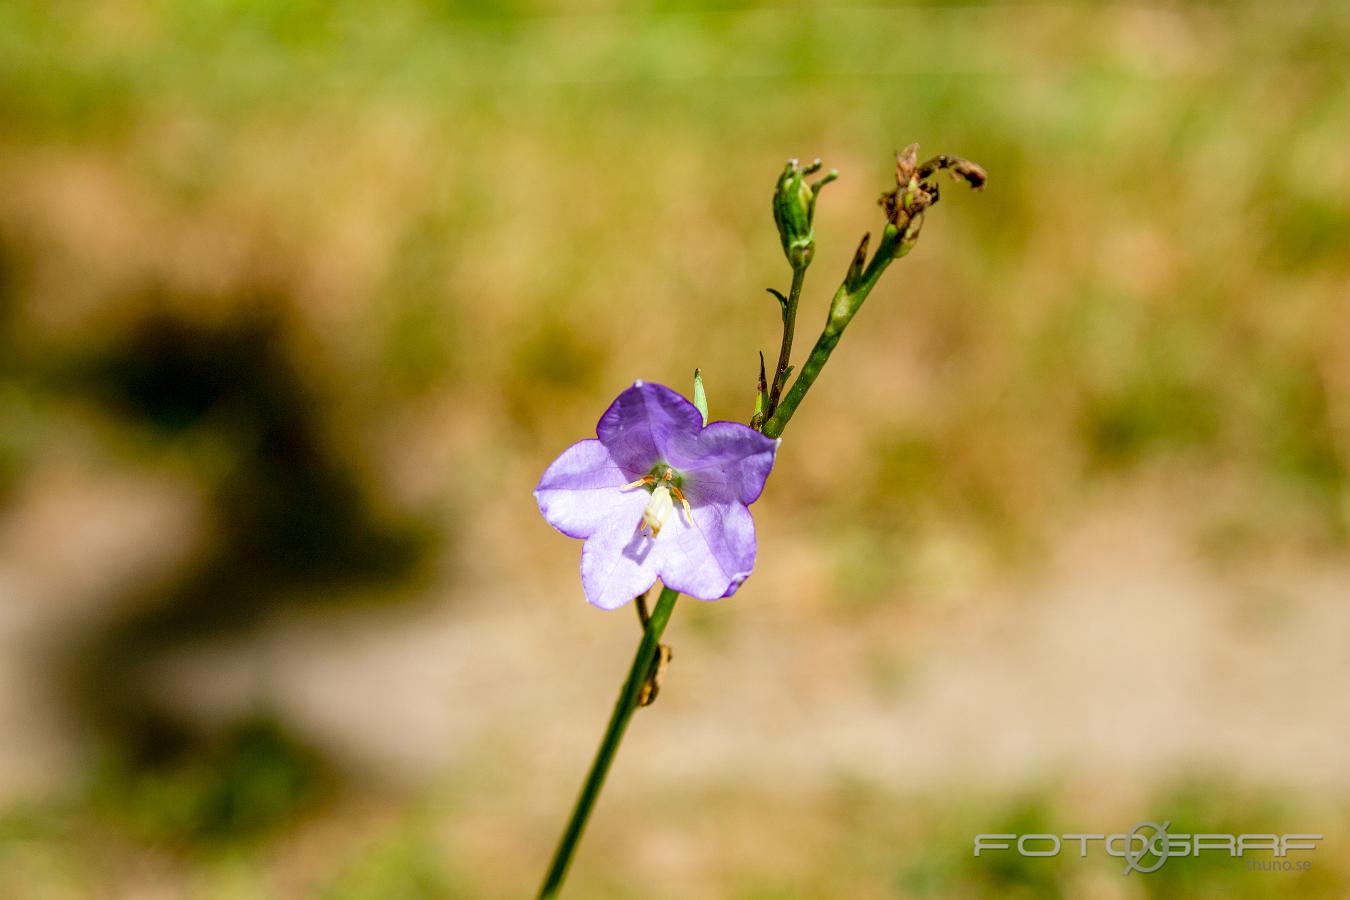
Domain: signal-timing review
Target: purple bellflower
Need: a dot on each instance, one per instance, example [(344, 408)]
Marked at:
[(659, 494)]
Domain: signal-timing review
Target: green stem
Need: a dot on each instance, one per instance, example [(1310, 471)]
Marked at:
[(820, 354), (846, 303), (789, 326), (609, 744)]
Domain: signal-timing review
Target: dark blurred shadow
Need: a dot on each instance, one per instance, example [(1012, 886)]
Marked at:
[(292, 522)]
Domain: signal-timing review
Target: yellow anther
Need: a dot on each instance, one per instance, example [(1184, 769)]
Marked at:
[(688, 513)]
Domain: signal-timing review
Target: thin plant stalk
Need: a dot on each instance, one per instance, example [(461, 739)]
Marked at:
[(624, 708), (789, 327)]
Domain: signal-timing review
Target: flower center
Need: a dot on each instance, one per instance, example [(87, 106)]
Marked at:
[(664, 484), (662, 473)]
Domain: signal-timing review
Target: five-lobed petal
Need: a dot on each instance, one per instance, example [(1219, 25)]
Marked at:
[(721, 468)]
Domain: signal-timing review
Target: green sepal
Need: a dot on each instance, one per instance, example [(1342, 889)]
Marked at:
[(700, 396)]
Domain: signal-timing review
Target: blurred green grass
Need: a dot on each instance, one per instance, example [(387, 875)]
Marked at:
[(506, 211), (853, 839)]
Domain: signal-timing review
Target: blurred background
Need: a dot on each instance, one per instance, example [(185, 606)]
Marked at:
[(297, 300)]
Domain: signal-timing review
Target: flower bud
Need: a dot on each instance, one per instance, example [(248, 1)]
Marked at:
[(794, 209)]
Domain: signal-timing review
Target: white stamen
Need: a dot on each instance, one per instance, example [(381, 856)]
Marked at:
[(658, 509)]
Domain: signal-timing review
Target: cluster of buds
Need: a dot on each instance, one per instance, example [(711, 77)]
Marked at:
[(915, 191), (794, 210)]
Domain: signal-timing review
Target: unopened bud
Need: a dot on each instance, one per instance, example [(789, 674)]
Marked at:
[(794, 210)]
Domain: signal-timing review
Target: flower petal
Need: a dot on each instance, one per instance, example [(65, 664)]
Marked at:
[(726, 462), (710, 560), (580, 490), (639, 426), (618, 562)]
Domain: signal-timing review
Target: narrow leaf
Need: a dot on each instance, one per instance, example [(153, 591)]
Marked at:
[(761, 395), (700, 396)]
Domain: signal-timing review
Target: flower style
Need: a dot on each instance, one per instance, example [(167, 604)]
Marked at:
[(658, 494)]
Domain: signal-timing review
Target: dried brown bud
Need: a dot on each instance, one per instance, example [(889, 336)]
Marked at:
[(973, 173), (906, 162)]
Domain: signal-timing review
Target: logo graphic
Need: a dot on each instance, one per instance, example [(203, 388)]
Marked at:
[(1155, 846), (1148, 846)]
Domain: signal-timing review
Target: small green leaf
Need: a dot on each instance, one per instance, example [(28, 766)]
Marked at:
[(700, 396), (761, 396)]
